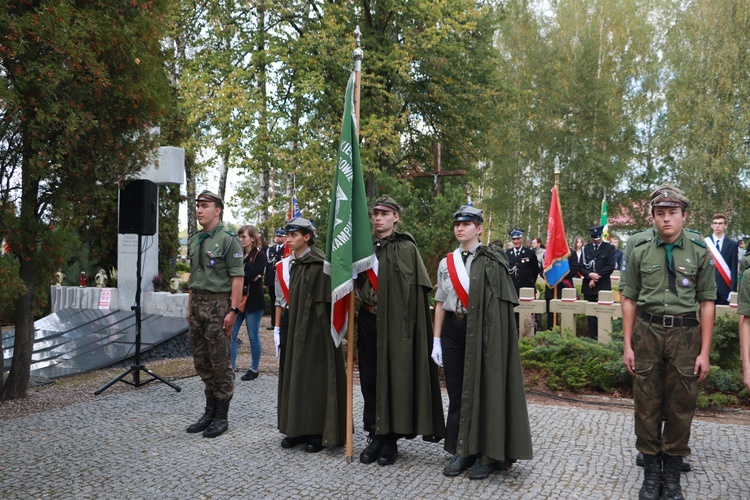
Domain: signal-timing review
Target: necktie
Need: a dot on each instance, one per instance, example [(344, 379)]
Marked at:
[(596, 248), (292, 263), (718, 245), (517, 253), (670, 266), (464, 256)]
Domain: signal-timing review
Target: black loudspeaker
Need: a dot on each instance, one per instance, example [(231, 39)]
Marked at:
[(138, 208)]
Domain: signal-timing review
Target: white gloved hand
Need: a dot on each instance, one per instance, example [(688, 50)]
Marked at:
[(277, 339), (437, 351)]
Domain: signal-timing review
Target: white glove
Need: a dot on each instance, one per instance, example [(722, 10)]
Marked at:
[(277, 339), (437, 351)]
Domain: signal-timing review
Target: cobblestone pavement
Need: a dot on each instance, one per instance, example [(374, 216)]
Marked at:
[(134, 445)]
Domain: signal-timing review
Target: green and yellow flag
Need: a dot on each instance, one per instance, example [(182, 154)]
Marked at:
[(349, 248), (605, 219)]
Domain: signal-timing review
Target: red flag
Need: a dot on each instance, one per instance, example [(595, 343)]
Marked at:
[(556, 257)]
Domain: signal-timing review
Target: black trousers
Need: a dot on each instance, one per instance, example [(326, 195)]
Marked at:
[(367, 353), (593, 321), (272, 297), (453, 342), (282, 337)]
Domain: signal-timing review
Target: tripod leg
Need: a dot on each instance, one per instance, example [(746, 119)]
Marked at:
[(115, 380), (160, 379)]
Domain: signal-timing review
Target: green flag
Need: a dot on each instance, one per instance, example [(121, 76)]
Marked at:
[(349, 243), (605, 219)]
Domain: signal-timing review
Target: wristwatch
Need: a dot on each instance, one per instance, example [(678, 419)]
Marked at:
[(235, 310)]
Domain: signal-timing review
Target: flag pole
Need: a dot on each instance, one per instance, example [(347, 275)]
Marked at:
[(358, 55), (557, 185)]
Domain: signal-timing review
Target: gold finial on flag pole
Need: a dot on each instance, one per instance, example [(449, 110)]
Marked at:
[(557, 170)]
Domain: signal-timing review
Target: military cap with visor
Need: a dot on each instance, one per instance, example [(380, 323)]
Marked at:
[(280, 232), (667, 195), (386, 203), (210, 197), (516, 233), (468, 213), (299, 224), (596, 232)]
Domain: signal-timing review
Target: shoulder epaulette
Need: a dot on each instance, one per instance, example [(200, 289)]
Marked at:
[(699, 242), (642, 242), (230, 233), (639, 231), (688, 230)]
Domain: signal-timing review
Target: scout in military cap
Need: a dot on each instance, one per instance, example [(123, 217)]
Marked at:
[(468, 213), (312, 379), (667, 305), (216, 278), (489, 426), (394, 317)]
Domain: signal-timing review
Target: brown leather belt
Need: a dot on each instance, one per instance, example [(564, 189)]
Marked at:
[(669, 321), (206, 296), (370, 309)]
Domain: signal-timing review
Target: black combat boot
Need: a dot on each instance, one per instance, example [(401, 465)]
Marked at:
[(372, 452), (651, 478), (208, 417), (670, 489), (389, 451), (220, 424)]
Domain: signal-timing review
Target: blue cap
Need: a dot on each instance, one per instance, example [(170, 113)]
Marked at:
[(468, 213), (280, 232), (516, 233)]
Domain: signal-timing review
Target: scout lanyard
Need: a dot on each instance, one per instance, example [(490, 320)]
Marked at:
[(723, 268), (459, 277), (282, 272)]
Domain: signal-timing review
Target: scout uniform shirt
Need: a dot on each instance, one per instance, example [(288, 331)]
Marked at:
[(445, 292), (661, 292), (215, 256)]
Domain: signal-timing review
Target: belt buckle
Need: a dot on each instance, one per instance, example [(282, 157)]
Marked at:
[(374, 309), (664, 321)]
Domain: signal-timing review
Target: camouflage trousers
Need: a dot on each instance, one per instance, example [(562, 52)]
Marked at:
[(664, 389), (210, 345)]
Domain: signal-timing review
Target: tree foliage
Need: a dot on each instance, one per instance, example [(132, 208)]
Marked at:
[(82, 82)]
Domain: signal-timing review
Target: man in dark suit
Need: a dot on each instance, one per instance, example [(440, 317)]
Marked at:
[(615, 242), (274, 254), (523, 264), (598, 262), (723, 249)]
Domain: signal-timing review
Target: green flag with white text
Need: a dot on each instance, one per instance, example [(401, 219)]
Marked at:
[(349, 248)]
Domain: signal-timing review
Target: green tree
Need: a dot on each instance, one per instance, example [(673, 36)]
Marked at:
[(705, 128), (82, 82)]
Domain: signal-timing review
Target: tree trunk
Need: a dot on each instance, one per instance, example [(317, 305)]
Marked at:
[(25, 248), (190, 188), (263, 132)]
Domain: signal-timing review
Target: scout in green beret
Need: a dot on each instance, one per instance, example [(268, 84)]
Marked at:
[(668, 318)]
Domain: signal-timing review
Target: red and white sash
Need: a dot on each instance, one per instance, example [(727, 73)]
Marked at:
[(372, 275), (459, 277), (721, 264), (282, 272)]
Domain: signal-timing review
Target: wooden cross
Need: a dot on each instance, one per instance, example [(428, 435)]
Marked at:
[(437, 173)]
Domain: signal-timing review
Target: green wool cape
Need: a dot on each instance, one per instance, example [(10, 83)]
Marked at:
[(313, 386), (494, 418), (408, 399)]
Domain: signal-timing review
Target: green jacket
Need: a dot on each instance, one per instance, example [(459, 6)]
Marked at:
[(408, 394), (494, 417), (312, 396)]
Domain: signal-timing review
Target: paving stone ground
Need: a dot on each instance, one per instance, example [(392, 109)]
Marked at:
[(133, 445)]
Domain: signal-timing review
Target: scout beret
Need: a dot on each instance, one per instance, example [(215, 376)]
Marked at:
[(596, 232), (467, 212), (298, 224), (209, 196), (516, 233), (667, 195), (386, 203)]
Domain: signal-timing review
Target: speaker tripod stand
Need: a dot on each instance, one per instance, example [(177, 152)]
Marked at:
[(137, 368)]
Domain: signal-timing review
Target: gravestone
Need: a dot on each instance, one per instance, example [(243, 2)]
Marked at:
[(526, 308)]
